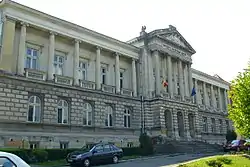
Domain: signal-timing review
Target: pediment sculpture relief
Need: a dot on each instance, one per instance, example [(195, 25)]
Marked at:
[(174, 38)]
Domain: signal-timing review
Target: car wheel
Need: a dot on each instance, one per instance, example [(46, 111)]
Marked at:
[(115, 159), (86, 163)]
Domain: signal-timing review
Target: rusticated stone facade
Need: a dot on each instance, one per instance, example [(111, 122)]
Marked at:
[(15, 92)]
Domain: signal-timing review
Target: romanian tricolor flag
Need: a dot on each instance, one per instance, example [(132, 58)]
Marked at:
[(164, 83)]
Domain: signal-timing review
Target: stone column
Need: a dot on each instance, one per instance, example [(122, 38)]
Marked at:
[(98, 68), (190, 80), (213, 96), (164, 69), (198, 97), (226, 99), (205, 93), (219, 96), (134, 86), (180, 71), (157, 73), (117, 73), (150, 76), (76, 63), (22, 50), (170, 77), (175, 77), (186, 81), (51, 55)]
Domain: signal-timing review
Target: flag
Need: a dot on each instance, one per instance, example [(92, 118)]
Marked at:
[(165, 83), (193, 92)]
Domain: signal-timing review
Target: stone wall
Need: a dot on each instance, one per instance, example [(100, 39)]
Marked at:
[(14, 95)]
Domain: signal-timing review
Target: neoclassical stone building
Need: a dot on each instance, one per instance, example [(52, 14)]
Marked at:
[(63, 85)]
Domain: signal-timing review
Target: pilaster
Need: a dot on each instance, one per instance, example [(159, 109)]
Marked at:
[(21, 55), (205, 94), (117, 73), (76, 63), (51, 55), (98, 68), (134, 85)]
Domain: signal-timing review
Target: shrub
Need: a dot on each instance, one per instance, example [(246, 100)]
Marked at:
[(214, 163), (146, 144), (131, 151), (224, 160), (182, 165), (40, 155)]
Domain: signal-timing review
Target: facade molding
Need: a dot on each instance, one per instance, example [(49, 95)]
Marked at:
[(33, 17)]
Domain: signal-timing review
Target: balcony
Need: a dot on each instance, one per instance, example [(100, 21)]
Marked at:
[(177, 97), (165, 95), (64, 80), (202, 107), (188, 99), (35, 74), (126, 92), (108, 88), (87, 84)]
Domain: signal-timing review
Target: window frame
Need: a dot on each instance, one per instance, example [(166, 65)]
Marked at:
[(57, 63), (82, 70), (63, 108), (127, 117), (32, 57), (34, 105), (104, 75), (88, 110), (109, 113)]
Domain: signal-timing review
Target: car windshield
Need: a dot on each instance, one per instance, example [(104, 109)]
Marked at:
[(235, 142), (87, 148)]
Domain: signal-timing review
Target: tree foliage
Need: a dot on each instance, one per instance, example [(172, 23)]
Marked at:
[(239, 110)]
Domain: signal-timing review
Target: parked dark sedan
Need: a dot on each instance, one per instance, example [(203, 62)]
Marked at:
[(235, 145), (97, 154)]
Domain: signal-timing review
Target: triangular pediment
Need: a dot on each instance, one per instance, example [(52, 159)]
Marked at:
[(173, 36)]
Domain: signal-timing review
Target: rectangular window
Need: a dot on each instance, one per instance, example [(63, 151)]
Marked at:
[(59, 60), (34, 145), (221, 126), (178, 88), (31, 58), (103, 75), (121, 80), (64, 145), (83, 70)]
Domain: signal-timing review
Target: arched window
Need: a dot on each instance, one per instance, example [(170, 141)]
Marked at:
[(34, 112), (87, 114), (127, 118), (62, 112), (109, 116)]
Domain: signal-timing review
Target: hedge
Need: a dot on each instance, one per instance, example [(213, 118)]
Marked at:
[(43, 155)]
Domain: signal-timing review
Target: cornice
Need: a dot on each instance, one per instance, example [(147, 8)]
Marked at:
[(71, 26), (209, 76)]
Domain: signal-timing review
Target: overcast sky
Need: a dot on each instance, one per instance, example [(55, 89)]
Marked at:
[(219, 30)]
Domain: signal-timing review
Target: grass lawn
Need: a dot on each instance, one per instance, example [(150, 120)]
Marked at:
[(226, 160), (63, 161)]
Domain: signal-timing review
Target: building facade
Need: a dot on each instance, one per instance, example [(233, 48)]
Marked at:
[(63, 85)]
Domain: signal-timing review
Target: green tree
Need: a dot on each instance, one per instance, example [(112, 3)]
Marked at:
[(239, 110), (146, 145)]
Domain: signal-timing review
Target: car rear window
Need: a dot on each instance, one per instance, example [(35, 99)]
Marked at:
[(114, 147)]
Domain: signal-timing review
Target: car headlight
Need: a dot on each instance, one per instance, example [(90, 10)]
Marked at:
[(78, 156)]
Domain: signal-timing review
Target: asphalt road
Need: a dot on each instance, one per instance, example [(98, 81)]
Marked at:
[(162, 161)]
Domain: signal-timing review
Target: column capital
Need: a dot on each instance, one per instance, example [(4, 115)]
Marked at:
[(24, 24), (117, 54), (52, 33), (98, 48), (77, 41)]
